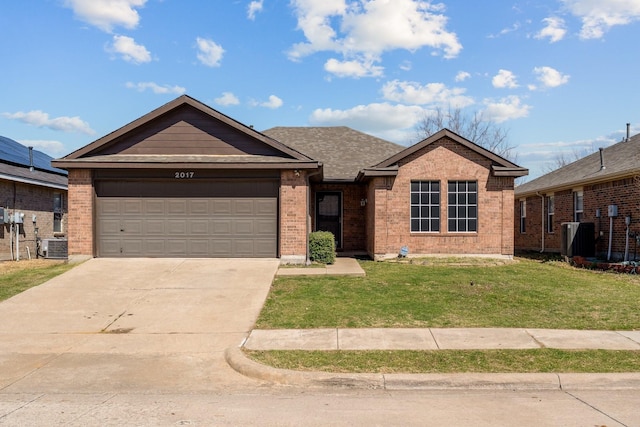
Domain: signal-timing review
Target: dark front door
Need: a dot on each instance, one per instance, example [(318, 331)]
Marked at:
[(329, 214)]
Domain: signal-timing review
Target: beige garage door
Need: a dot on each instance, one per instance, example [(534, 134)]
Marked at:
[(236, 219)]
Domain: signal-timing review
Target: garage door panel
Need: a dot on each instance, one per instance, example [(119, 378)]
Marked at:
[(154, 227), (198, 227), (235, 221), (154, 207), (265, 207)]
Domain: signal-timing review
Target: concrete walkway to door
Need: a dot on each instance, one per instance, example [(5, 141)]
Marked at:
[(132, 325)]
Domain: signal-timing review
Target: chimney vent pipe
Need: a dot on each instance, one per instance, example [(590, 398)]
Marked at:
[(628, 131), (602, 166), (31, 159)]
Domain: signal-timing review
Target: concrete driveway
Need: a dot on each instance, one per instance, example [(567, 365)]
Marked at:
[(132, 325)]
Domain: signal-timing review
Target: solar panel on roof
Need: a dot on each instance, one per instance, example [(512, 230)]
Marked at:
[(13, 152)]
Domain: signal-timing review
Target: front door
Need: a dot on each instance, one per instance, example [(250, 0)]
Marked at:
[(329, 214)]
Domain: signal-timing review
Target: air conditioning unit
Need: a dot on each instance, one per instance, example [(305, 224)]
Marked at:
[(578, 239), (55, 248)]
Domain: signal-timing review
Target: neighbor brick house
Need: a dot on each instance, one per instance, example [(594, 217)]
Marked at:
[(188, 181), (599, 193), (32, 200)]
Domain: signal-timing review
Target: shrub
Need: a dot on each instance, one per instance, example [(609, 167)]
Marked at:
[(322, 247)]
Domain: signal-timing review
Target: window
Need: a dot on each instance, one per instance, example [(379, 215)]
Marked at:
[(463, 206), (550, 211), (425, 206), (57, 212), (523, 216), (578, 206)]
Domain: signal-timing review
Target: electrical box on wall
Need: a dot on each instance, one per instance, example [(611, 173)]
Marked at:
[(613, 210), (4, 219)]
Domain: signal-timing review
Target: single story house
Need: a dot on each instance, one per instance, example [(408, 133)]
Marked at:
[(33, 200), (188, 181), (590, 207)]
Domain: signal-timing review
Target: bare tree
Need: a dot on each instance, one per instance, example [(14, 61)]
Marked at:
[(562, 159), (475, 128)]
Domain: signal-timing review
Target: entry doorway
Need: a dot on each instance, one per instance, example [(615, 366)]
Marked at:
[(329, 214)]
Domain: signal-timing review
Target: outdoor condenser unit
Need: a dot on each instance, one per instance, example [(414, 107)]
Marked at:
[(55, 248), (578, 239)]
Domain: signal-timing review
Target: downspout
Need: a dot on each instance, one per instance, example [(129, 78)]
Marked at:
[(308, 179), (541, 219)]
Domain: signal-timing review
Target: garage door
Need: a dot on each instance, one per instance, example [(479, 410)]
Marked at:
[(187, 219)]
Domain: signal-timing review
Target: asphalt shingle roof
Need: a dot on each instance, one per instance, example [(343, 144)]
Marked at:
[(342, 150), (619, 159)]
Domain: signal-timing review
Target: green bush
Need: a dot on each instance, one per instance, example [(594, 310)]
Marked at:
[(322, 247)]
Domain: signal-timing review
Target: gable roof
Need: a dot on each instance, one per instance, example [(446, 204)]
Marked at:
[(136, 144), (342, 150), (619, 160), (499, 167), (15, 165)]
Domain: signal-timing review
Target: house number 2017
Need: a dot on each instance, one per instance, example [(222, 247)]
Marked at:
[(184, 175)]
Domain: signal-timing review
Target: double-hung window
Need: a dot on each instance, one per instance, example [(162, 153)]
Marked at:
[(57, 212), (425, 206), (462, 197), (550, 211), (523, 216), (578, 206)]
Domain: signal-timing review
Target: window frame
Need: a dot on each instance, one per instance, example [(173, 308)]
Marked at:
[(58, 212), (550, 213), (578, 199), (523, 216), (432, 205), (468, 207)]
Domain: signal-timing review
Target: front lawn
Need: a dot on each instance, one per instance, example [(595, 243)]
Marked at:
[(522, 294), (18, 276)]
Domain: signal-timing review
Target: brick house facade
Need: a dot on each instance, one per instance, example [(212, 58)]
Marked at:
[(582, 192), (34, 191), (185, 180)]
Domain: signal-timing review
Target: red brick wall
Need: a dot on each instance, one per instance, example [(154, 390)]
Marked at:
[(81, 212), (293, 216), (30, 200), (442, 161), (624, 193), (353, 214)]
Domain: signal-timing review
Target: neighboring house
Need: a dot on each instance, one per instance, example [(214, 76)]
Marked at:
[(33, 197), (600, 191), (187, 181)]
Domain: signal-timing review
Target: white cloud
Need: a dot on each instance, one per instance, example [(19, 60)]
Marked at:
[(367, 29), (52, 148), (130, 50), (374, 118), (273, 103), (227, 98), (462, 76), (156, 88), (555, 29), (549, 77), (353, 68), (106, 14), (209, 52), (253, 8), (41, 119), (431, 93), (504, 79), (598, 16), (406, 66), (505, 109)]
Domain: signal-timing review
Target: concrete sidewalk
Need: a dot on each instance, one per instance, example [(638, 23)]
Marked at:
[(343, 266), (436, 339), (439, 339)]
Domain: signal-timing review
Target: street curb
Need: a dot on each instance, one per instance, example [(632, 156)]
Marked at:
[(236, 358)]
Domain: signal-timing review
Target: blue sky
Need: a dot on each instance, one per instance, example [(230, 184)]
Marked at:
[(560, 75)]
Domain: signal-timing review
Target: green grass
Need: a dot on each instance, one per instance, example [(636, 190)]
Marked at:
[(16, 277), (451, 361), (522, 294)]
